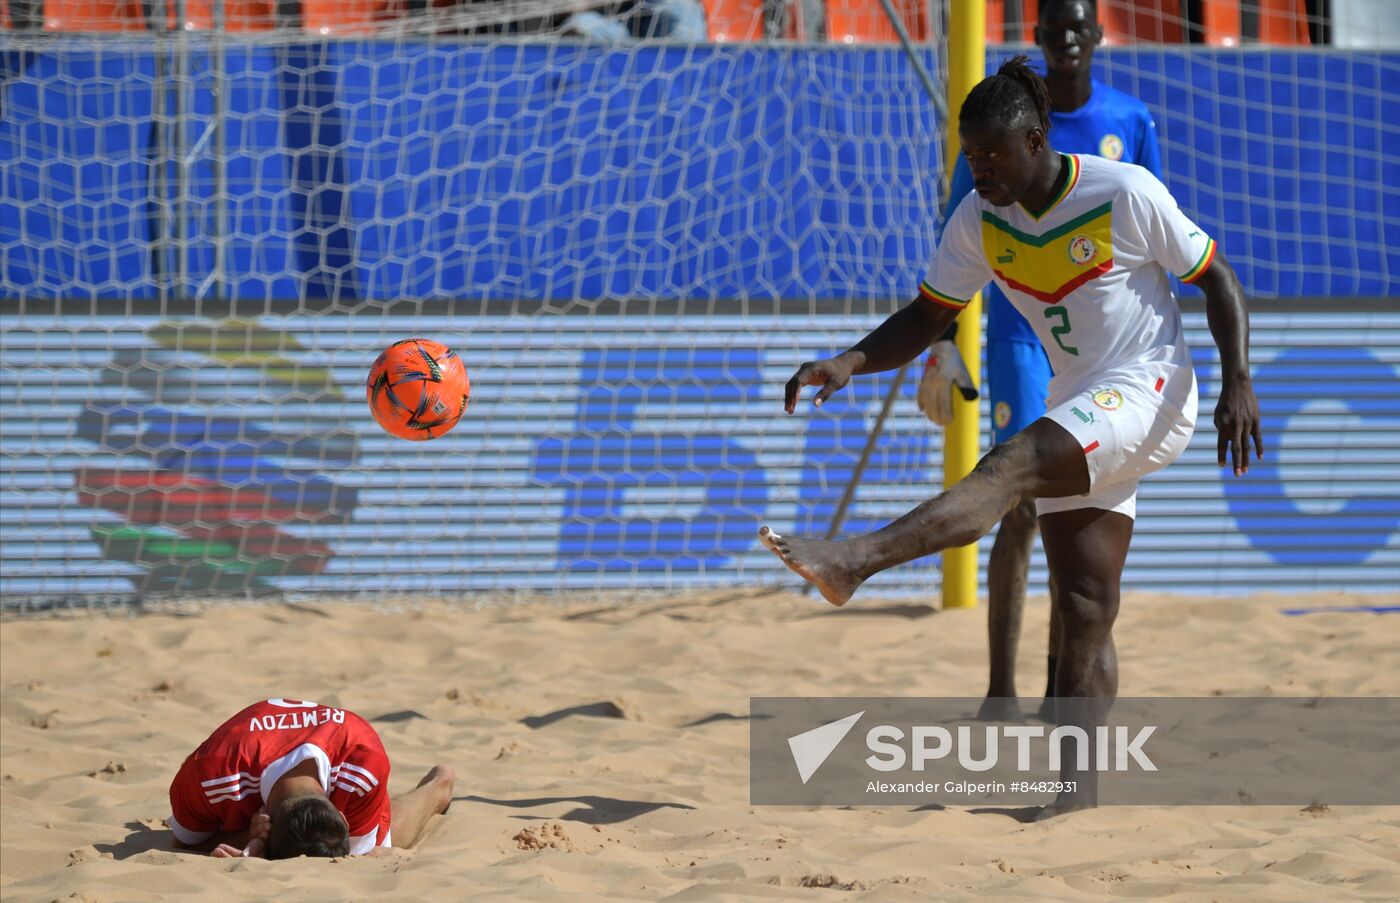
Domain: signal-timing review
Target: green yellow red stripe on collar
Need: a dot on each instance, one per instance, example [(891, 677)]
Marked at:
[(1071, 179)]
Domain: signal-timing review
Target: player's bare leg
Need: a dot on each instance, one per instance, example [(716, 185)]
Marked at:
[(837, 569), (1041, 460), (409, 813), (1007, 572), (1086, 550), (1047, 705)]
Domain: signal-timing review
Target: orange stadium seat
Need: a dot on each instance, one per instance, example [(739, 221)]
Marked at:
[(94, 15), (239, 15), (1142, 21), (1220, 23), (1283, 22), (916, 19), (129, 15), (734, 20), (865, 21), (340, 17), (328, 17), (858, 22), (997, 21), (995, 15)]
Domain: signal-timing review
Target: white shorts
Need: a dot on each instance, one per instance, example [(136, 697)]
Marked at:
[(1128, 429)]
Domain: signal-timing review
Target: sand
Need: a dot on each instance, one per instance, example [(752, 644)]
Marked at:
[(602, 751)]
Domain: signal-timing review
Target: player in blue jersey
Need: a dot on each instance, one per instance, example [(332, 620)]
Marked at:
[(1086, 117)]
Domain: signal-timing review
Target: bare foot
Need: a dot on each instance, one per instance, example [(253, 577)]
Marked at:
[(1000, 708), (443, 778), (823, 564), (1066, 803)]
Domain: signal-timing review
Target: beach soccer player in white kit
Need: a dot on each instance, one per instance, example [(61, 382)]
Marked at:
[(1086, 117), (1083, 247)]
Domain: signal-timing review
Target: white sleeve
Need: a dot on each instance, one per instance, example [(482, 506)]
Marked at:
[(185, 835), (1163, 233), (365, 843), (959, 267)]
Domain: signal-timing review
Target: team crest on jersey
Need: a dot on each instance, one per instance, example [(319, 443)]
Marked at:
[(1002, 415), (1082, 249), (1108, 399), (1111, 147)]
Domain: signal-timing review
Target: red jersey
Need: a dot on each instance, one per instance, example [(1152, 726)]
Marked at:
[(222, 784)]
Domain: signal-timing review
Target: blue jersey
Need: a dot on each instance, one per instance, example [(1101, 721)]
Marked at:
[(1113, 125)]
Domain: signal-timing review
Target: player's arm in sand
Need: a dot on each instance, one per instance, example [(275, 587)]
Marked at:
[(249, 841)]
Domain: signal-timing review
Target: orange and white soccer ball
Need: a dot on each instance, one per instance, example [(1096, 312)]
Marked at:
[(418, 389)]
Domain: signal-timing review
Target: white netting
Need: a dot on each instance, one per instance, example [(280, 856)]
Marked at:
[(383, 170), (205, 238)]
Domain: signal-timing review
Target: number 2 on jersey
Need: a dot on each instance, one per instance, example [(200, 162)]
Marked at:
[(1062, 330)]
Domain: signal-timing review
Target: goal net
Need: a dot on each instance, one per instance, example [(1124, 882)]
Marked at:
[(225, 229), (214, 216)]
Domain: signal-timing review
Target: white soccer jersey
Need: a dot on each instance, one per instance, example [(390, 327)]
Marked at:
[(1089, 273)]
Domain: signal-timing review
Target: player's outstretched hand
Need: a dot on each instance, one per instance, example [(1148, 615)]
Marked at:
[(830, 374), (1237, 419)]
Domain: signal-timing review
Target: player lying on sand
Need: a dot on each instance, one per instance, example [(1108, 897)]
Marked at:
[(286, 778), (1083, 247)]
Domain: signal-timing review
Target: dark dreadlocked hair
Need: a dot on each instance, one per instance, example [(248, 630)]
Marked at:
[(1015, 91)]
